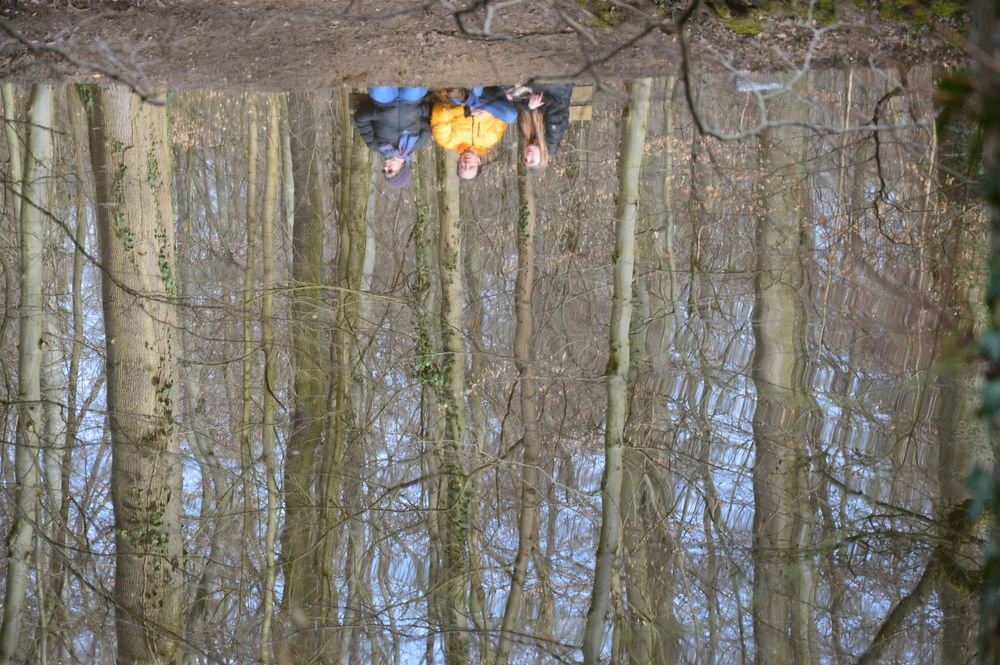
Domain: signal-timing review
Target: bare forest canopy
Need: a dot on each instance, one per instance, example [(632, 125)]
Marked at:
[(674, 399), (308, 44)]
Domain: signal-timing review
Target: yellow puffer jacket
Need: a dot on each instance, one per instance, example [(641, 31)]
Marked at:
[(454, 131)]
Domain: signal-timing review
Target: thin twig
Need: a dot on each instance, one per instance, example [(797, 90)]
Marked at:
[(144, 94)]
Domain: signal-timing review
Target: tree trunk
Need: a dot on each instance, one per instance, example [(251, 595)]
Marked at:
[(453, 501), (59, 599), (250, 524), (782, 528), (531, 498), (650, 628), (344, 453), (984, 26), (270, 368), (353, 326), (630, 161), (427, 370), (13, 148), (33, 208), (478, 428), (307, 577), (130, 155)]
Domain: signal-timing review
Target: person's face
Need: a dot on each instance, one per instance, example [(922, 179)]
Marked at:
[(468, 165), (392, 167), (532, 155)]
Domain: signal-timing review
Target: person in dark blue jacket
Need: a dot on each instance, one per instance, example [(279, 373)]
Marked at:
[(395, 122)]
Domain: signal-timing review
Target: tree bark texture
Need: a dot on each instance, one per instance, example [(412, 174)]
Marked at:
[(268, 434), (782, 526), (135, 224), (250, 520), (303, 569), (349, 435), (30, 426), (531, 476), (606, 559), (454, 499)]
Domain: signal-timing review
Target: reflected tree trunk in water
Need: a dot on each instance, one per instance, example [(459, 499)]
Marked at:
[(847, 202), (985, 25), (531, 498), (962, 441), (783, 590), (650, 628), (453, 499), (952, 246), (962, 444), (630, 160), (33, 206), (135, 217), (698, 391)]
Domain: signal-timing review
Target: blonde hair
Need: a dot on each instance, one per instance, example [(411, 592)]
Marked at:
[(532, 124)]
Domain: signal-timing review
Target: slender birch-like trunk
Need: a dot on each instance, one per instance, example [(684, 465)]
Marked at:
[(531, 477), (478, 427), (354, 265), (250, 522), (630, 161), (649, 629), (131, 162), (287, 179), (58, 599), (16, 171), (49, 523), (33, 208), (270, 368)]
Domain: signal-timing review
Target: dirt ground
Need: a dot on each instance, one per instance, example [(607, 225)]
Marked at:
[(305, 44)]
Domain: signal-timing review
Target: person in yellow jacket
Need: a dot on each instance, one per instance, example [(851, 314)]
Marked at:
[(468, 130)]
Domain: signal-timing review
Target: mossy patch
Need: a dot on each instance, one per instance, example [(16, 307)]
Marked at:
[(747, 25), (920, 12), (607, 12)]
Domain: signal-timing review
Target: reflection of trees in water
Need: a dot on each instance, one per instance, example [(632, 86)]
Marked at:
[(784, 586), (795, 420)]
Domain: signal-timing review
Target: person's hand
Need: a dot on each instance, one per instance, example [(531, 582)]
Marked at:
[(479, 113), (535, 101)]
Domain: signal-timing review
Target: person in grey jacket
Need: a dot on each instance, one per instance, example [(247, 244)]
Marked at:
[(395, 123)]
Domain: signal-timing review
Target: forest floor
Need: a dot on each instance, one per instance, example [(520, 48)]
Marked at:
[(306, 44)]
